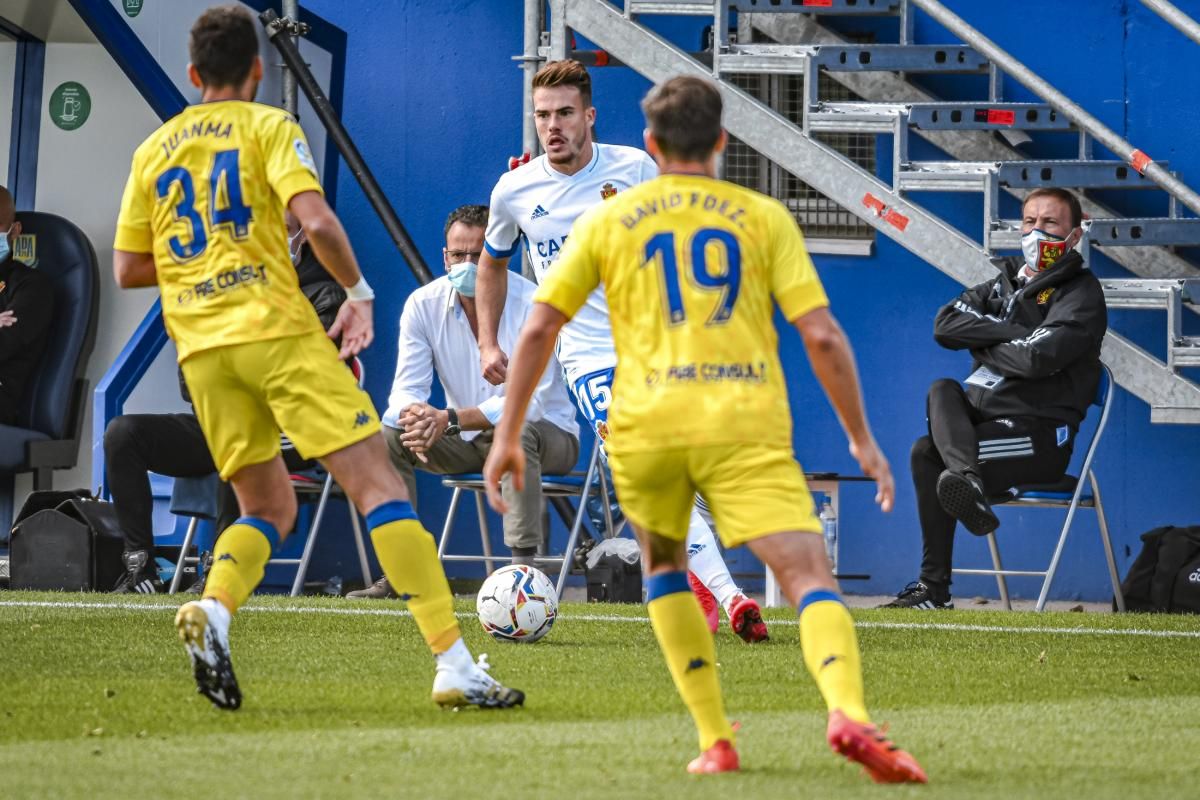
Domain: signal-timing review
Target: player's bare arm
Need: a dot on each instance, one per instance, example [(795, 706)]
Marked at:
[(833, 363), (533, 351), (491, 292), (134, 270), (328, 240)]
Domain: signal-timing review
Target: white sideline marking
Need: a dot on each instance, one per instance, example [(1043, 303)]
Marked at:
[(396, 612)]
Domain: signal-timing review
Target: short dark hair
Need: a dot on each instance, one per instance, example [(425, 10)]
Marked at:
[(684, 117), (568, 72), (223, 44), (471, 216), (1059, 194)]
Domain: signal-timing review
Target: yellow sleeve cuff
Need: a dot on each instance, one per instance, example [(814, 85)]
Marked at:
[(296, 182), (800, 300), (133, 239)]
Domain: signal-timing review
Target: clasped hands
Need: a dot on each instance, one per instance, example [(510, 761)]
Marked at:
[(422, 426)]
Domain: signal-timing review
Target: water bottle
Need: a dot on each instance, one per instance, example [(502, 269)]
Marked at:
[(829, 531)]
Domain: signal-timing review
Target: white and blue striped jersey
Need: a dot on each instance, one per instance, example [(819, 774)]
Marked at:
[(538, 204)]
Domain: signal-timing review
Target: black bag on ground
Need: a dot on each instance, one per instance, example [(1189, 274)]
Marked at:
[(1165, 577), (76, 545), (613, 580)]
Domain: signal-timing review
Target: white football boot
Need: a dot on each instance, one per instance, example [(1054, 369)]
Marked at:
[(203, 626), (461, 682)]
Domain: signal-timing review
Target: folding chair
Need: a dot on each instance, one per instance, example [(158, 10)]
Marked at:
[(574, 484), (318, 486), (1070, 493), (195, 498)]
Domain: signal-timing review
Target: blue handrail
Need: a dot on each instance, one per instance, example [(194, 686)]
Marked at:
[(108, 401)]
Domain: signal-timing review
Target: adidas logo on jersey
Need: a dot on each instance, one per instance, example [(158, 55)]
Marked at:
[(539, 212)]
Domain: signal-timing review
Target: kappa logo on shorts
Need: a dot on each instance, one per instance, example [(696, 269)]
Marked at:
[(361, 418)]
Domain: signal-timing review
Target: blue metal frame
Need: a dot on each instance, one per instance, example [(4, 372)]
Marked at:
[(29, 69), (131, 56), (119, 382)]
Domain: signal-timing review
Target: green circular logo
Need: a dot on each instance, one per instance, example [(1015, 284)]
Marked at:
[(70, 105), (132, 7)]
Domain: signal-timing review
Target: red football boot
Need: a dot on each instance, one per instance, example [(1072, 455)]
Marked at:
[(745, 617), (721, 757), (862, 742), (708, 602)]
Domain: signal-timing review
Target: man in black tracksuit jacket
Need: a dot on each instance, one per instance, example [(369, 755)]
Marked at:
[(1034, 334), (26, 308)]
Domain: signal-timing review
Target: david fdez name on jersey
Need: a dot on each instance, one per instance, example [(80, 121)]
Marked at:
[(690, 200)]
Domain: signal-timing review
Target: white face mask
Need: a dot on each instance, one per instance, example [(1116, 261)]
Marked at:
[(294, 249), (1042, 250)]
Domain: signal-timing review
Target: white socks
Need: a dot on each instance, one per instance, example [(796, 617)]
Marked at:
[(705, 559), (457, 657)]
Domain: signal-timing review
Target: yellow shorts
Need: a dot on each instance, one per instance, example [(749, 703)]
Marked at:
[(245, 394), (753, 490)]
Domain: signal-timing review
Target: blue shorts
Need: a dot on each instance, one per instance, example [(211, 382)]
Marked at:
[(593, 395)]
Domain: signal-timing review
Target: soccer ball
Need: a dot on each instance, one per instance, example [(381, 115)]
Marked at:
[(517, 604)]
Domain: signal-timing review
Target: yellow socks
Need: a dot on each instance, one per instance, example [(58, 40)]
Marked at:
[(688, 647), (831, 652), (409, 559), (239, 558)]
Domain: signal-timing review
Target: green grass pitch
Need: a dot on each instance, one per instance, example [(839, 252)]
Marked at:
[(97, 701)]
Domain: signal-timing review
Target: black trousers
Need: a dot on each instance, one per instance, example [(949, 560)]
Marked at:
[(1003, 452), (169, 444)]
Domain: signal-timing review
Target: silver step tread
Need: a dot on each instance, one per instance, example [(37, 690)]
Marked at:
[(784, 58), (1157, 293), (1186, 352), (822, 7), (670, 7), (973, 175), (881, 117)]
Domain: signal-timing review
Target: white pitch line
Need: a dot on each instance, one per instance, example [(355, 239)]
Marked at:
[(396, 612)]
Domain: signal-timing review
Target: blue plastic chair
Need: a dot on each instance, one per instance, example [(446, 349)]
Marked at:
[(1070, 493), (574, 484)]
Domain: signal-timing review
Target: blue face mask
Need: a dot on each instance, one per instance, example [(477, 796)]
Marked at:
[(5, 249), (462, 278)]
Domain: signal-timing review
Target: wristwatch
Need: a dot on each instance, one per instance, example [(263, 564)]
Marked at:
[(453, 429)]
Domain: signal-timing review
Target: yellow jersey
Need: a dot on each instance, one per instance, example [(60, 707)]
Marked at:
[(206, 196), (690, 266)]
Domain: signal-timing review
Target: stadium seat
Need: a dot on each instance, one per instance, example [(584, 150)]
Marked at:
[(318, 486), (47, 435), (574, 484), (1071, 494), (195, 498)]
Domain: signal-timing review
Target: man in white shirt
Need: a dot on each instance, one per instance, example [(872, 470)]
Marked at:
[(439, 331), (538, 203)]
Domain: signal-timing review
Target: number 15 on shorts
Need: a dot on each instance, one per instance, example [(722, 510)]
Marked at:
[(593, 395)]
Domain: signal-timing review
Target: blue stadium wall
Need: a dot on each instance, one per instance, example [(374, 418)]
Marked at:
[(433, 100)]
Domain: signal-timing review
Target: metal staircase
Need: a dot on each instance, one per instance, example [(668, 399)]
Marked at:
[(798, 44)]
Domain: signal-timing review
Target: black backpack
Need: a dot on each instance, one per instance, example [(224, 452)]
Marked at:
[(1165, 577)]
